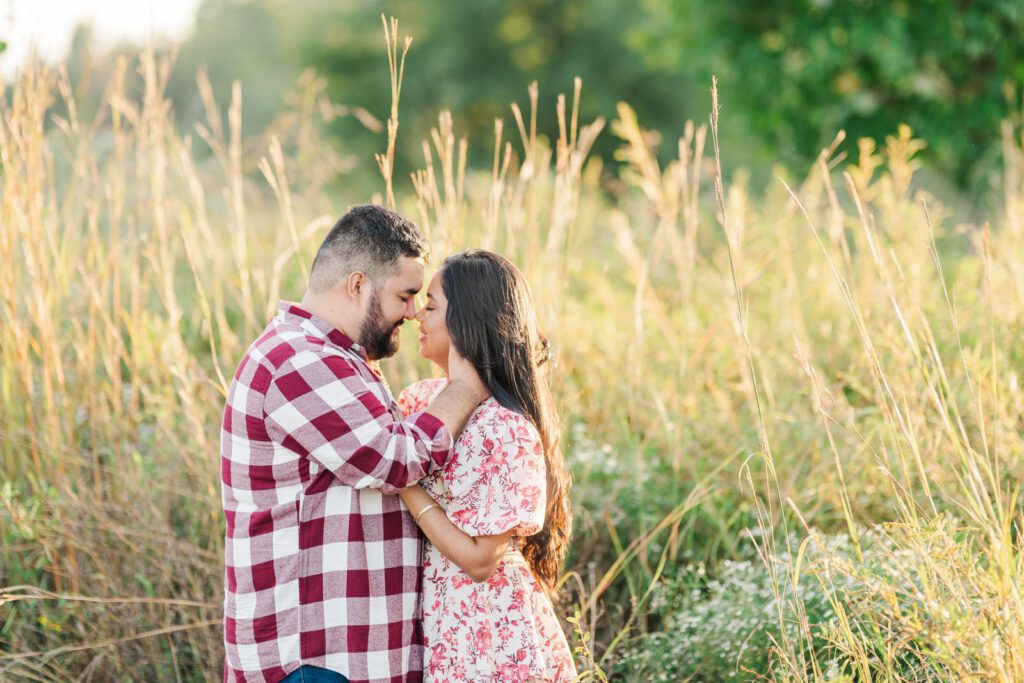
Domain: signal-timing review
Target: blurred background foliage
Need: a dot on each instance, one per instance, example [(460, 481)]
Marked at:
[(792, 72), (143, 249)]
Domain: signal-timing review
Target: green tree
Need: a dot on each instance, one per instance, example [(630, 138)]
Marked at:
[(474, 58), (796, 71), (257, 43)]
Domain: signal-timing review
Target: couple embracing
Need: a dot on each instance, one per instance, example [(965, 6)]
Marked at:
[(330, 484)]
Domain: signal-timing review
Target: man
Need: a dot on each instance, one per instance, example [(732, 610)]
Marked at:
[(322, 561)]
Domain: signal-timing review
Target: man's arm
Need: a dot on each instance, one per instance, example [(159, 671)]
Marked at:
[(321, 407), (459, 399)]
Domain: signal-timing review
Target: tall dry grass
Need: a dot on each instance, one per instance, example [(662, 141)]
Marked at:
[(133, 279), (834, 355)]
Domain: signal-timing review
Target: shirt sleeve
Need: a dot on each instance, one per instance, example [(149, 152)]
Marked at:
[(507, 488), (321, 407)]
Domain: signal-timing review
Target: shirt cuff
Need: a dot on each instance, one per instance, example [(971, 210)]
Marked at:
[(441, 442)]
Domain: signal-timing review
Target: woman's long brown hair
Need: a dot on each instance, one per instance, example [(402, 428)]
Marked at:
[(492, 322)]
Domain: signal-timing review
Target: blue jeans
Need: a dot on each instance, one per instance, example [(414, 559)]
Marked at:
[(313, 674)]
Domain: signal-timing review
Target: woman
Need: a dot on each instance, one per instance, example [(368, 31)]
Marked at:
[(497, 518)]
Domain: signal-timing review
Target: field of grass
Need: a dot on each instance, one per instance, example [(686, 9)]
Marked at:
[(794, 420)]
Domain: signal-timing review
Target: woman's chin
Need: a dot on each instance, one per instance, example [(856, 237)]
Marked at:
[(426, 354), (433, 357)]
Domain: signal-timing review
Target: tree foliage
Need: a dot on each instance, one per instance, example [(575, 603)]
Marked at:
[(796, 71), (474, 58), (792, 72)]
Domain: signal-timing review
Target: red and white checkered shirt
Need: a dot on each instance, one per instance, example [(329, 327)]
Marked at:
[(322, 563)]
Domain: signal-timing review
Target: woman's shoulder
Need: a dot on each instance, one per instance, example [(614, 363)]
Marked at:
[(419, 395), (502, 424), (500, 462)]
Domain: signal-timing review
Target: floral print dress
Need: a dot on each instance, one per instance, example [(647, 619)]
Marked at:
[(503, 629)]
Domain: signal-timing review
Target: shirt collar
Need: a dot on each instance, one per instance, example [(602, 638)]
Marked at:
[(317, 327)]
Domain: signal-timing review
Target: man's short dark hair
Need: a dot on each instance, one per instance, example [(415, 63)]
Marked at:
[(369, 239)]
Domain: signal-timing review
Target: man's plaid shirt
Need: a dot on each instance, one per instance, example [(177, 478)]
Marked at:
[(322, 565)]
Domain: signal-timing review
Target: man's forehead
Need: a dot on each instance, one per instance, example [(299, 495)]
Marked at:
[(410, 273)]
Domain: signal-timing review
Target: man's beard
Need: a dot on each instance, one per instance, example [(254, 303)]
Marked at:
[(376, 334)]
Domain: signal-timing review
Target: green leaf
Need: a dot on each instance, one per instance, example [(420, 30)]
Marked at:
[(146, 584)]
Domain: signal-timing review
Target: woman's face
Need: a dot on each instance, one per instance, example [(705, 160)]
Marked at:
[(433, 331)]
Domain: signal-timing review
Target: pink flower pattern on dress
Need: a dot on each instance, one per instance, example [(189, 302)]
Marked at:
[(503, 629)]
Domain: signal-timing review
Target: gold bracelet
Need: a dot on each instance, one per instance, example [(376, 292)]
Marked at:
[(423, 512)]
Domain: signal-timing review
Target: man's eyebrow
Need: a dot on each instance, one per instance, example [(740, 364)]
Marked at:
[(412, 292)]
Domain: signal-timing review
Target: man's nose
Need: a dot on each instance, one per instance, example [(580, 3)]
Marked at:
[(410, 310)]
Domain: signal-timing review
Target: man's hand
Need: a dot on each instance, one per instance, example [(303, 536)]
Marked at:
[(462, 371), (460, 398)]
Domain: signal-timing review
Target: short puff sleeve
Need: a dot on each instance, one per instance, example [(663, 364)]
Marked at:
[(504, 482), (416, 397)]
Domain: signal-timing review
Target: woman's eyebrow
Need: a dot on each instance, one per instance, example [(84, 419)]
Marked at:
[(430, 296)]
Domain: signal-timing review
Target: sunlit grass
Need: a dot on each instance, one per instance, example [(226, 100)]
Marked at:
[(737, 374)]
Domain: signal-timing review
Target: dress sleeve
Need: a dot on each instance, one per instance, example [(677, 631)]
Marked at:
[(416, 397), (506, 486)]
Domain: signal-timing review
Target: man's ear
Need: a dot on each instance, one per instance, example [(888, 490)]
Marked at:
[(355, 284)]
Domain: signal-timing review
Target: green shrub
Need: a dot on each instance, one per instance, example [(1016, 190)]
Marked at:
[(721, 627), (736, 622)]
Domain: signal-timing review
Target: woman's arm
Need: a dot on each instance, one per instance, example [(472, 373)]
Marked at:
[(478, 556)]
